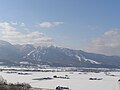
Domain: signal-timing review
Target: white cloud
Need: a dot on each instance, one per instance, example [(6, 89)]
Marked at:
[(22, 24), (10, 33), (49, 24), (14, 23), (6, 26), (108, 43)]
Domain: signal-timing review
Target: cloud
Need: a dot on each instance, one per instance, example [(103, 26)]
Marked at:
[(108, 43), (10, 33), (49, 24), (14, 23), (22, 24)]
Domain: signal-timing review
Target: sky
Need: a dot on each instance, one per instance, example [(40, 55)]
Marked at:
[(89, 25)]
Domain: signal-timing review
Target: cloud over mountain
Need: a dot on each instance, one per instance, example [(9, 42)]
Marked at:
[(9, 32), (108, 43)]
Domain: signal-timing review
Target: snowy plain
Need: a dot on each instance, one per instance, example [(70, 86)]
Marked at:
[(77, 81)]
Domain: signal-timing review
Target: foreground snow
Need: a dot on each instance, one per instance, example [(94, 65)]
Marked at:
[(77, 81)]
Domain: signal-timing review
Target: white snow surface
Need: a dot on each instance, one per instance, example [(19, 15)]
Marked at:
[(89, 60), (92, 61), (76, 82), (79, 58)]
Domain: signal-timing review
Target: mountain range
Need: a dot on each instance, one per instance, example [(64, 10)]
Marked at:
[(27, 54)]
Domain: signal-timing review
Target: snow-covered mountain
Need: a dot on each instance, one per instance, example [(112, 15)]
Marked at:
[(56, 56), (53, 56), (24, 49), (8, 51)]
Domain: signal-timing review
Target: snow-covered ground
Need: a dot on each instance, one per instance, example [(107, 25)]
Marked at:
[(77, 81)]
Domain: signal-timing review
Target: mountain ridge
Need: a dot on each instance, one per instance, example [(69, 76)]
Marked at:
[(54, 56)]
